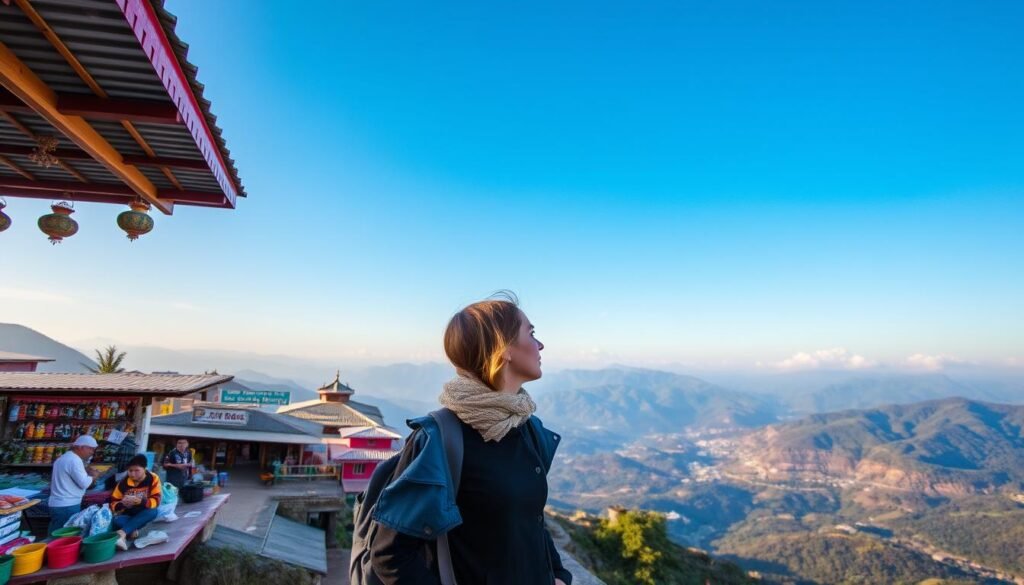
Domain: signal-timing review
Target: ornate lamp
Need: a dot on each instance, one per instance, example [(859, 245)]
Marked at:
[(5, 220), (59, 225), (135, 222)]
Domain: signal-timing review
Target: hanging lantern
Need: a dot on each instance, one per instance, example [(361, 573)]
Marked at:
[(5, 220), (59, 225), (135, 222)]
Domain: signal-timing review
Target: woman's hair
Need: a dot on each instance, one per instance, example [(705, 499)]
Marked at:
[(479, 334), (138, 461)]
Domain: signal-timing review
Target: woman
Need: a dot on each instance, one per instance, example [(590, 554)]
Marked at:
[(496, 531), (135, 500)]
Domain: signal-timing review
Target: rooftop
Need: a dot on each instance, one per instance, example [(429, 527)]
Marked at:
[(7, 356), (335, 414), (336, 386), (110, 82), (126, 383)]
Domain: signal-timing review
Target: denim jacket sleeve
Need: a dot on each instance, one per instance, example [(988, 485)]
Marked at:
[(420, 501)]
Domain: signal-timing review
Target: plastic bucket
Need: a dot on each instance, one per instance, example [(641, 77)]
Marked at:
[(69, 531), (6, 562), (99, 547), (28, 558), (63, 552)]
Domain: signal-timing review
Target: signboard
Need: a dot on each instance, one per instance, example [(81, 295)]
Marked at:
[(218, 416), (255, 396)]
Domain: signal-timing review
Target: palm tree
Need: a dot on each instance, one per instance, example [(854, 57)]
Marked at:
[(108, 361)]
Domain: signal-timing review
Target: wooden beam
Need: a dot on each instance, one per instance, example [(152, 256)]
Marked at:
[(174, 163), (70, 186), (102, 193), (137, 160), (72, 171), (97, 108), (17, 125), (22, 82), (66, 196), (195, 197), (130, 128), (58, 44), (14, 166)]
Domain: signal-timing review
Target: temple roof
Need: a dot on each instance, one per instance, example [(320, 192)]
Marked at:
[(337, 386), (335, 414)]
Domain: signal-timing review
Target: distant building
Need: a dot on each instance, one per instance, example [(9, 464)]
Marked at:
[(354, 434), (19, 362)]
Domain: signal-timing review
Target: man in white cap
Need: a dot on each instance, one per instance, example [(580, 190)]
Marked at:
[(70, 480)]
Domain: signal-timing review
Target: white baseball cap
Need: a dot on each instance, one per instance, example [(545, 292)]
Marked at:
[(85, 441)]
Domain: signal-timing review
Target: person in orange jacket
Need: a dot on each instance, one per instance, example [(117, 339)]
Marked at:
[(135, 500)]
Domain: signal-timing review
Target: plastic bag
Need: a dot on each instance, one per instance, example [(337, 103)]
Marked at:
[(101, 520), (169, 501), (83, 519)]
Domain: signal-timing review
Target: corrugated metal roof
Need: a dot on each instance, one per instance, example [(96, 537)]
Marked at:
[(126, 383), (369, 432), (336, 414), (98, 34), (296, 544), (364, 455), (286, 540)]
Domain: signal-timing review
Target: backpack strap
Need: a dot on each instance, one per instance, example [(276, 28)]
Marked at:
[(451, 436)]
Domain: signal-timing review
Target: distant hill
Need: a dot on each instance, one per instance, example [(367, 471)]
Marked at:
[(421, 383), (811, 392), (948, 447), (20, 339), (633, 402)]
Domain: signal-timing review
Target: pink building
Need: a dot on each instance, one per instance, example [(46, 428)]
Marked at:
[(19, 362), (354, 434)]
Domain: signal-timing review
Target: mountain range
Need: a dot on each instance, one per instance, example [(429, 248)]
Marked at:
[(20, 339), (939, 447)]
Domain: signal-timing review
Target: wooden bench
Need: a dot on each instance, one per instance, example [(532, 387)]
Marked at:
[(181, 533)]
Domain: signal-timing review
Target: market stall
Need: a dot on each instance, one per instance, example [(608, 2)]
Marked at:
[(44, 413)]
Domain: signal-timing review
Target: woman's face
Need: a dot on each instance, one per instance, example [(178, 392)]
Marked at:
[(524, 353)]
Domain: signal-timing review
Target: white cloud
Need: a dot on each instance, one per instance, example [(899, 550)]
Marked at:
[(834, 358), (25, 294), (931, 362)]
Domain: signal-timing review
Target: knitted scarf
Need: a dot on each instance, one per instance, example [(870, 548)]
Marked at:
[(493, 414)]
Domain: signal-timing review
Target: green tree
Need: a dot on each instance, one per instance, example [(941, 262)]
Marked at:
[(639, 537), (108, 361)]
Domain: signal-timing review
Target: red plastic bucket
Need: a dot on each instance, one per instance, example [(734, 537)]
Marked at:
[(63, 552)]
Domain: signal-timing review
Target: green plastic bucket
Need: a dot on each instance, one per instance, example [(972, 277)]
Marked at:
[(69, 531), (6, 563), (99, 547)]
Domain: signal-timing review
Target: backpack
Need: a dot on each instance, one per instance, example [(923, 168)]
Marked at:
[(364, 528)]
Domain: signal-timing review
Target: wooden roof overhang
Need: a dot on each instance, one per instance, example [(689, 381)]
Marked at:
[(109, 79)]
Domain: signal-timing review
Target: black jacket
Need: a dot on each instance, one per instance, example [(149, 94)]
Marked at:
[(502, 538)]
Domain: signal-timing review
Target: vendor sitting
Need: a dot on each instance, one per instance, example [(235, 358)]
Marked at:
[(135, 500)]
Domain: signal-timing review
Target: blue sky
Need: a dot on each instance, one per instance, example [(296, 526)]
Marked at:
[(707, 183)]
